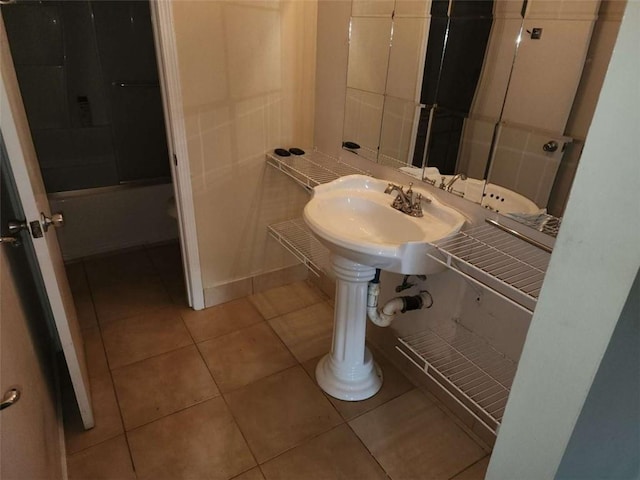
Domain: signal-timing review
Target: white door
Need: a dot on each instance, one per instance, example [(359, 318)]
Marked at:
[(30, 440), (33, 197)]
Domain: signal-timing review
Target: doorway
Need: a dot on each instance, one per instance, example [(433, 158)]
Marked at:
[(88, 76)]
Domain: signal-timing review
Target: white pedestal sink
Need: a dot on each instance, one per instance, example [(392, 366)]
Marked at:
[(348, 372), (353, 217)]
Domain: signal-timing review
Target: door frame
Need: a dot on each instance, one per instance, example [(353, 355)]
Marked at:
[(170, 89), (167, 58)]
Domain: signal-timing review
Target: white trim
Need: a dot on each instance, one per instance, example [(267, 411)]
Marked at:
[(164, 38)]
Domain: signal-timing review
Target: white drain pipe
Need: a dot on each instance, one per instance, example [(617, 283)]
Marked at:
[(385, 315)]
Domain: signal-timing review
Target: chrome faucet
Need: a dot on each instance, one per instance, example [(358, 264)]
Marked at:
[(455, 178), (405, 202)]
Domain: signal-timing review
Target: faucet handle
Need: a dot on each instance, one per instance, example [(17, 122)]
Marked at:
[(416, 207), (429, 180), (391, 187)]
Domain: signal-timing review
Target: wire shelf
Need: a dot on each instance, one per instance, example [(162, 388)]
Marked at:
[(495, 257), (468, 368), (312, 169), (296, 237)]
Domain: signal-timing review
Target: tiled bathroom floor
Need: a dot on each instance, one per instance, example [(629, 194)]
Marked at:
[(229, 392)]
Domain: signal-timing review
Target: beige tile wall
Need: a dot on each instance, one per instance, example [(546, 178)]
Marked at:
[(247, 72)]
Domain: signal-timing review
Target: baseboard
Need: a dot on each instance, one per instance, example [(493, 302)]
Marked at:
[(243, 287)]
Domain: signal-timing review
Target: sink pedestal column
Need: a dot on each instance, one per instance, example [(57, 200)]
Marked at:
[(349, 372)]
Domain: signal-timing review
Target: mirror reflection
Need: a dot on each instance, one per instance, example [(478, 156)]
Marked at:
[(488, 99)]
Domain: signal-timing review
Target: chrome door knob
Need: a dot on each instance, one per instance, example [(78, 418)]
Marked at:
[(550, 146), (56, 220), (16, 226), (13, 241)]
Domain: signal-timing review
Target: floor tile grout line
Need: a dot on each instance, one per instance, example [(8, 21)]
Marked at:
[(469, 467), (195, 344), (437, 402), (173, 350), (431, 407), (301, 443), (309, 284), (288, 312), (246, 471), (375, 459), (89, 447), (221, 394), (347, 420), (301, 366), (111, 370), (125, 431), (113, 383), (298, 364), (467, 430), (255, 380), (233, 417), (195, 404), (282, 340), (225, 334), (267, 376), (226, 404)]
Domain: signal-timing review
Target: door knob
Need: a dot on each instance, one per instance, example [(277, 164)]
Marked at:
[(13, 241), (16, 226), (10, 397), (550, 146), (55, 220)]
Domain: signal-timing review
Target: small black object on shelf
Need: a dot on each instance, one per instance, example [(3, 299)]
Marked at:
[(282, 152), (351, 145), (296, 151)]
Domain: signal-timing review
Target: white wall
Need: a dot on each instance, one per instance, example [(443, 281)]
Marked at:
[(247, 73), (595, 260)]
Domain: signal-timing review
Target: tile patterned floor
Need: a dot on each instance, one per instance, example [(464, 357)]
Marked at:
[(229, 392)]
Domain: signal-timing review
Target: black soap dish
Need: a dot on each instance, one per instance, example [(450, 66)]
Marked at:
[(281, 152)]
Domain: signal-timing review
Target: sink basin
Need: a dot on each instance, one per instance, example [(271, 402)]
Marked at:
[(353, 218)]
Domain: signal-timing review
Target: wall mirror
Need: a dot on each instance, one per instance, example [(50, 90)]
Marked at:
[(502, 91)]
